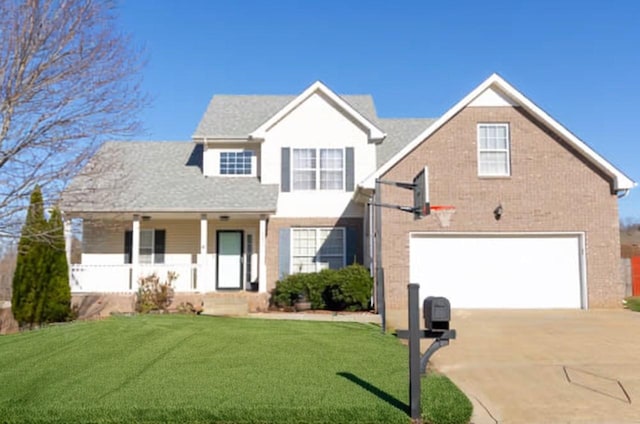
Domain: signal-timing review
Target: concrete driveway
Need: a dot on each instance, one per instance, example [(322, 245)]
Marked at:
[(546, 366)]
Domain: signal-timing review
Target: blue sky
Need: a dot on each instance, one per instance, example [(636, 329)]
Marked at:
[(578, 60)]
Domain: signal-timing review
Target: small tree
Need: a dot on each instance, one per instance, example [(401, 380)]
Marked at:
[(31, 270), (57, 296), (41, 291)]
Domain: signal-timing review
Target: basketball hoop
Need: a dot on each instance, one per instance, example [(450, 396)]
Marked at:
[(444, 214)]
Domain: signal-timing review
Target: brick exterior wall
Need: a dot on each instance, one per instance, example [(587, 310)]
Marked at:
[(273, 231), (551, 188)]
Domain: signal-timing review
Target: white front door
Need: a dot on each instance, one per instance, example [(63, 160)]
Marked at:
[(229, 260)]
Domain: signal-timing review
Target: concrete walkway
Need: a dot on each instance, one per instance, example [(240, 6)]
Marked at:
[(546, 366)]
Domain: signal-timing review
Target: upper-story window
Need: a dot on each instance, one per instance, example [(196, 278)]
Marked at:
[(318, 169), (493, 150), (236, 163)]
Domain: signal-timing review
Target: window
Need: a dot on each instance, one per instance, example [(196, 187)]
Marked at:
[(146, 246), (309, 173), (236, 163), (152, 246), (493, 150), (315, 249)]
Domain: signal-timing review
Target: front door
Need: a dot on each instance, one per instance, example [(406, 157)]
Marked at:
[(229, 260)]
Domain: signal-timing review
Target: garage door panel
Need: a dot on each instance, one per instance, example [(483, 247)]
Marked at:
[(476, 271)]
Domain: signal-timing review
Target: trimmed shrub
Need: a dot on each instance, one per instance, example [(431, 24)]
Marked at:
[(351, 289), (348, 288)]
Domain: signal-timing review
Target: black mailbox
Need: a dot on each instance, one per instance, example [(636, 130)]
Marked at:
[(437, 313)]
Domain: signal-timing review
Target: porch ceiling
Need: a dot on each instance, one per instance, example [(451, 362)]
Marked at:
[(128, 216)]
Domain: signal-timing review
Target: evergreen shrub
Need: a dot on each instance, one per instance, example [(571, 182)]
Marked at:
[(348, 288)]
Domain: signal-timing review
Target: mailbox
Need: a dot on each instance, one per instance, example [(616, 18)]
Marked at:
[(437, 313)]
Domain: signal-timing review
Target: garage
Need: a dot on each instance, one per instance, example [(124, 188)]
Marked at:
[(500, 270)]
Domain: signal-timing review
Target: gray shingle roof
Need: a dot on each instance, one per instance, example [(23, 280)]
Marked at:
[(158, 177), (167, 176), (233, 116), (400, 131)]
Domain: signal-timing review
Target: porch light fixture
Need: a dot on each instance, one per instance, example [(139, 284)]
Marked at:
[(497, 212), (224, 217)]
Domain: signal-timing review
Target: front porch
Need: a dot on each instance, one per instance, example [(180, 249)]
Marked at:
[(209, 253)]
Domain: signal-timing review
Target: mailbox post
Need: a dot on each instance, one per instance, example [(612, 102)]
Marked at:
[(437, 314)]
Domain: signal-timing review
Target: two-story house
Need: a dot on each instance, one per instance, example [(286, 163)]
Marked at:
[(273, 185)]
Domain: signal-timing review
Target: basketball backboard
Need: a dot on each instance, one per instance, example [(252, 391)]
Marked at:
[(421, 205)]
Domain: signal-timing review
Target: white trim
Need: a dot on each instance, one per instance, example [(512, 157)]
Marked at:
[(507, 150), (204, 233), (584, 286), (621, 181), (262, 256), (153, 245), (135, 241), (253, 162), (316, 230), (318, 170), (375, 134)]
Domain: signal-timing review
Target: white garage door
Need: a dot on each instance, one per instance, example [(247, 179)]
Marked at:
[(498, 271)]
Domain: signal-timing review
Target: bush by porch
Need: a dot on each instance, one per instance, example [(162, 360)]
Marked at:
[(348, 288)]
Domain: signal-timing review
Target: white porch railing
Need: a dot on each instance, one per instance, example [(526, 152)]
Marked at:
[(120, 278)]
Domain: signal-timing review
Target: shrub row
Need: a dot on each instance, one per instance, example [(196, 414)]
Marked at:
[(348, 288)]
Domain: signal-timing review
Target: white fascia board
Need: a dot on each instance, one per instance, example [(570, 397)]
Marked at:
[(622, 182), (205, 140), (375, 133)]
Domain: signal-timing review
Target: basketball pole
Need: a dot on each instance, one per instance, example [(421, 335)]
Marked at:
[(377, 214)]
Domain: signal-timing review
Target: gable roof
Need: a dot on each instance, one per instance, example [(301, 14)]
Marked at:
[(161, 177), (237, 116), (400, 131), (621, 181)]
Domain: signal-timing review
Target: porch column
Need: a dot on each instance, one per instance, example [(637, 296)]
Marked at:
[(68, 241), (204, 271), (203, 234), (262, 255), (135, 251)]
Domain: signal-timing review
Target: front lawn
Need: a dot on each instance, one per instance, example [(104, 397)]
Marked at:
[(197, 369)]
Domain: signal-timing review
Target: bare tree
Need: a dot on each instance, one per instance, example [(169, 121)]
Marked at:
[(68, 81)]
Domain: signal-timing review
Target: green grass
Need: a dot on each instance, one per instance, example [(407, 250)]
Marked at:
[(196, 369), (633, 303)]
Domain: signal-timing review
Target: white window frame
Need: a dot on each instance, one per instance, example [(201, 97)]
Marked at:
[(152, 247), (252, 162), (318, 265), (506, 150), (318, 169)]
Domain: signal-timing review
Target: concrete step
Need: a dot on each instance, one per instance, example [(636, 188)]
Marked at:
[(221, 305)]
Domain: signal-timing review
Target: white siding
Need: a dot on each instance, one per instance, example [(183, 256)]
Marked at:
[(316, 124), (211, 156)]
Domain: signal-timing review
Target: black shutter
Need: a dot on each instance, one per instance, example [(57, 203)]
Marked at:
[(128, 242), (158, 246), (349, 174), (285, 169)]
